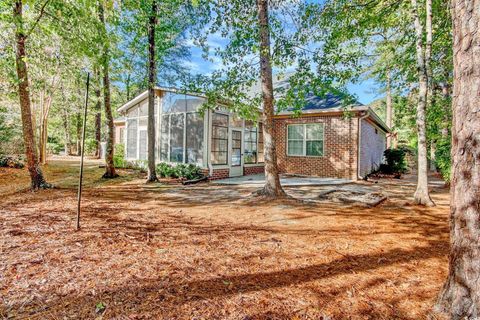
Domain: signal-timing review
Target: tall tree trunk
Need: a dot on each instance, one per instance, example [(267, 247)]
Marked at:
[(460, 296), (98, 116), (36, 175), (152, 75), (446, 98), (389, 110), (109, 166), (272, 186), (66, 127), (127, 86), (78, 122), (421, 196), (46, 104)]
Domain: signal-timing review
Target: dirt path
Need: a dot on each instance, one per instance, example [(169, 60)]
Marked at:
[(211, 252)]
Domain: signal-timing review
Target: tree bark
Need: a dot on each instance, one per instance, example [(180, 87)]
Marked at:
[(109, 165), (45, 105), (422, 195), (460, 297), (36, 175), (390, 137), (272, 186), (152, 75), (98, 116)]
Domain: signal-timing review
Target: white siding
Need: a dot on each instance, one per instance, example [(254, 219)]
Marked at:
[(373, 143)]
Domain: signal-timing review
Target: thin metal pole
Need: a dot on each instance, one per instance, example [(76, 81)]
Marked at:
[(82, 153)]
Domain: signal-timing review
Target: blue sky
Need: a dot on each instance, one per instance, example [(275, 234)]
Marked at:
[(364, 90)]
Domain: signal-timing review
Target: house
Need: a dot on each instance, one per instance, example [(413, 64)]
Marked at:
[(322, 141), (119, 134)]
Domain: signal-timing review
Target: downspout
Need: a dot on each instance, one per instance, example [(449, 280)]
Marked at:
[(359, 140)]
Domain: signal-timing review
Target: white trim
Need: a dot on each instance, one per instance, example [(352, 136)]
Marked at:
[(359, 142)]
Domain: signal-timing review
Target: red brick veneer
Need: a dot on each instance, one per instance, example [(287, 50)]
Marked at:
[(340, 148), (253, 170)]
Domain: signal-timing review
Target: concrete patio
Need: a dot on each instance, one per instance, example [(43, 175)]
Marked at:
[(285, 180)]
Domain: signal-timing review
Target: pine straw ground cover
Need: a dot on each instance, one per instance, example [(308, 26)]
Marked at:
[(212, 252)]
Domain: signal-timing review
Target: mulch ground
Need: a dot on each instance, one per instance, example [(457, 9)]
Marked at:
[(212, 252)]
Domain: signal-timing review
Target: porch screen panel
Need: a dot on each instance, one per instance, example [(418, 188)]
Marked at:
[(250, 150), (142, 145), (174, 102), (132, 138), (219, 138), (164, 137), (194, 130), (177, 126), (193, 103)]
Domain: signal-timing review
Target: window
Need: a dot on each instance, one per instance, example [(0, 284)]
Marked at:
[(261, 158), (250, 150), (164, 137), (219, 138), (305, 139), (131, 138), (253, 137), (121, 135), (142, 145), (194, 135), (177, 126)]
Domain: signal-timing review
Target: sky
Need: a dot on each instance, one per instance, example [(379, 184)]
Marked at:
[(364, 90)]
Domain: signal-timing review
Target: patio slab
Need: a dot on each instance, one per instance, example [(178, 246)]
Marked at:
[(285, 180)]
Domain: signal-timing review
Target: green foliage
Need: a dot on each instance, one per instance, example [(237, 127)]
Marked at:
[(394, 161), (166, 170), (181, 170), (54, 147), (293, 57), (443, 159), (119, 156), (90, 146)]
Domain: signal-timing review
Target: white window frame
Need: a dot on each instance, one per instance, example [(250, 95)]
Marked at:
[(257, 133), (169, 115), (304, 154)]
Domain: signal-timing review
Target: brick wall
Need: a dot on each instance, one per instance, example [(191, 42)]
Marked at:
[(340, 148), (373, 144), (253, 170), (220, 174)]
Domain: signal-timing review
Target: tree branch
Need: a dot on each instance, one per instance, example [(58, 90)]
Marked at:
[(37, 20)]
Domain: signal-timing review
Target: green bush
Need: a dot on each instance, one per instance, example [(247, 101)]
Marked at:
[(443, 159), (54, 148), (8, 161), (394, 161), (185, 171), (90, 146), (119, 156), (166, 170)]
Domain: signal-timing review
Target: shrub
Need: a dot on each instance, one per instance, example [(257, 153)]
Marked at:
[(394, 161), (185, 171), (16, 162), (443, 159), (54, 148), (90, 146), (166, 170), (119, 156)]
